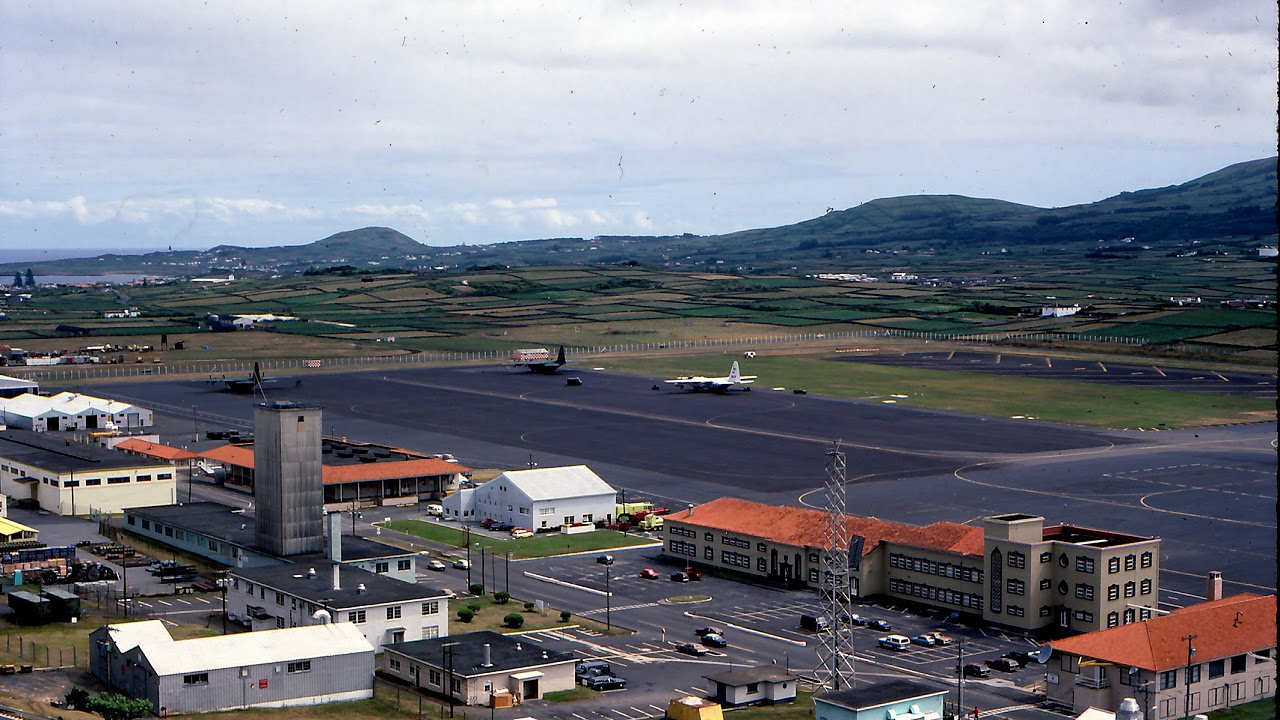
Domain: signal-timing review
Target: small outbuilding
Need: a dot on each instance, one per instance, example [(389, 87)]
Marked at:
[(764, 684), (309, 665), (896, 699), (479, 666), (694, 708)]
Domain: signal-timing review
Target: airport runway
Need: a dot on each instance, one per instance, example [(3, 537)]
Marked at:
[(1210, 493), (1052, 368)]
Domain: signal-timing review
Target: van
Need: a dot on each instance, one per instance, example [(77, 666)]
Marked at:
[(435, 509), (814, 623), (589, 669), (894, 642)]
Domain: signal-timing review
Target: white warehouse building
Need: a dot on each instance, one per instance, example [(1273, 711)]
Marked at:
[(71, 411), (538, 499)]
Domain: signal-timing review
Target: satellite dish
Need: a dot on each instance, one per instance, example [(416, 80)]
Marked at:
[(1043, 654), (1134, 670)]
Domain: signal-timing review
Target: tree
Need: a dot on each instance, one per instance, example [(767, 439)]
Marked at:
[(513, 620), (475, 589), (502, 597), (564, 615), (31, 280), (465, 615), (114, 706), (17, 279)]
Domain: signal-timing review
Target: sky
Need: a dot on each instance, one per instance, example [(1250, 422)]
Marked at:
[(141, 126)]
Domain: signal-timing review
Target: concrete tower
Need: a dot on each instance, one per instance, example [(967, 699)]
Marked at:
[(288, 493)]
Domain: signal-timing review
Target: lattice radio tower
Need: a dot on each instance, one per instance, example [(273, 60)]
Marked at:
[(835, 653)]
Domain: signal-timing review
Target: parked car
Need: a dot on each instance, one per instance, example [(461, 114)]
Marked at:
[(462, 563), (502, 526), (605, 682), (437, 566), (855, 619), (924, 639), (940, 639), (693, 573), (1022, 658), (519, 533), (575, 382), (976, 670), (435, 509), (679, 577), (691, 649), (649, 573), (894, 642), (708, 631), (880, 625), (714, 640), (1003, 665), (604, 559), (487, 523)]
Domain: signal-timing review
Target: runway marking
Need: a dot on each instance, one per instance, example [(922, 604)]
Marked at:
[(1224, 379), (1104, 367), (1048, 361), (1190, 595), (1153, 367)]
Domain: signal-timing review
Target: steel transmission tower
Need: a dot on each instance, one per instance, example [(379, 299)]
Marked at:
[(835, 653)]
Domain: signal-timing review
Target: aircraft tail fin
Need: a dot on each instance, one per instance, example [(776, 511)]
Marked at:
[(257, 373), (734, 373), (560, 358)]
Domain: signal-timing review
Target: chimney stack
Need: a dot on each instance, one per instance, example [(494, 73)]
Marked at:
[(336, 585), (335, 536), (1214, 591), (487, 662), (360, 589), (1129, 710), (311, 573)]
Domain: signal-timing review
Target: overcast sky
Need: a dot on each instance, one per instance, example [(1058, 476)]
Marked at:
[(145, 125)]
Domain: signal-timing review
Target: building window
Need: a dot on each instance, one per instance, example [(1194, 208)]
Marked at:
[(709, 553), (392, 663), (735, 542), (1016, 587), (1130, 562), (1017, 559), (280, 598), (164, 476), (524, 511), (680, 547), (356, 616), (1063, 587), (130, 520), (1130, 589), (1146, 559), (1084, 591), (430, 631), (682, 532), (1129, 616), (1145, 587), (760, 547), (381, 567), (762, 565), (1046, 611), (433, 676), (1113, 619), (144, 478), (1217, 668), (1015, 611), (708, 537), (117, 480), (93, 482), (304, 666), (1063, 561), (1084, 616), (1113, 565), (1045, 583), (1046, 557), (431, 607), (1168, 679), (1237, 664), (736, 559), (404, 564), (547, 511), (813, 575), (1193, 674), (196, 679), (1084, 564), (146, 524), (813, 557), (1113, 592), (1144, 614), (393, 613)]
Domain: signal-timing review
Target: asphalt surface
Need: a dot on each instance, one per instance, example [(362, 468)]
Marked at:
[(1210, 494), (1054, 368)]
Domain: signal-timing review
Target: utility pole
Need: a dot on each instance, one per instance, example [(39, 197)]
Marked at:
[(468, 556), (959, 679), (447, 648), (507, 567), (608, 601), (1191, 651)]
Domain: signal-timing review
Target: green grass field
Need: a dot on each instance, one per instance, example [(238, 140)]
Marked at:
[(543, 545), (1110, 406)]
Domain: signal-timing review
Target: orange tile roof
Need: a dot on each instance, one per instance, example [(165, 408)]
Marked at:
[(155, 450), (803, 526), (1230, 626), (231, 455), (427, 467), (242, 456)]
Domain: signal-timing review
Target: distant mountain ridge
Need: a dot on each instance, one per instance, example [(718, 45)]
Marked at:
[(1232, 207)]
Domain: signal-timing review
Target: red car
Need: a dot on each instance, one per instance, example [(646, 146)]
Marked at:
[(693, 573), (649, 573)]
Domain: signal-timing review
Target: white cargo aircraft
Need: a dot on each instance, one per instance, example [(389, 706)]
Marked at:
[(714, 384)]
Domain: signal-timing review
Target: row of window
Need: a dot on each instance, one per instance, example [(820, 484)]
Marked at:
[(736, 559), (681, 531), (95, 482), (1113, 591), (681, 547), (944, 569), (1130, 562), (939, 594), (735, 542), (1084, 563)]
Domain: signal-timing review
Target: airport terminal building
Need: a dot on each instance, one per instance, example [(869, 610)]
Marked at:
[(1014, 571)]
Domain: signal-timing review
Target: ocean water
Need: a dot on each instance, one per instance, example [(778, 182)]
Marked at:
[(9, 255)]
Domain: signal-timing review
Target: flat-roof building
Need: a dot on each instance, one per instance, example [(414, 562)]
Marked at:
[(472, 668), (13, 387), (73, 478)]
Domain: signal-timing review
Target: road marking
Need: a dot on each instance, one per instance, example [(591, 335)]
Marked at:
[(1048, 361), (1153, 367), (1104, 367), (1224, 379), (165, 602), (1190, 595), (578, 716)]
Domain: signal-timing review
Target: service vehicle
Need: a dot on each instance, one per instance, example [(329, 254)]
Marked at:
[(435, 509), (814, 623)]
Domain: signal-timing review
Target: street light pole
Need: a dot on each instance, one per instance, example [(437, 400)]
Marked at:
[(959, 679), (468, 556), (1191, 651), (608, 601), (482, 578), (507, 567)]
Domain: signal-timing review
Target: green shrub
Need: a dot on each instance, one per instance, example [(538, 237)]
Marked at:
[(529, 606), (476, 588), (502, 597), (565, 615), (513, 620), (465, 614), (474, 607)]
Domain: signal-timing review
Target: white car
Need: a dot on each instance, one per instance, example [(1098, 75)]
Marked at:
[(437, 566), (462, 563)]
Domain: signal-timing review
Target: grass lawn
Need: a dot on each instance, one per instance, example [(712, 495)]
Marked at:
[(1258, 710), (801, 709), (578, 693), (491, 614), (544, 545), (1111, 406)]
